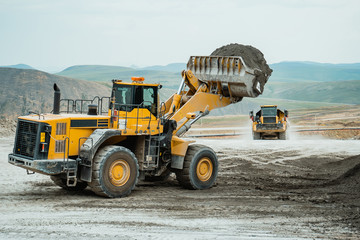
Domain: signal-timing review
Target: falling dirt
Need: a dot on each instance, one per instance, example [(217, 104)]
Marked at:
[(297, 189)]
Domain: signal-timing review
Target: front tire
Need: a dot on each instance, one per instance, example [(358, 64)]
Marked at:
[(115, 172), (200, 168)]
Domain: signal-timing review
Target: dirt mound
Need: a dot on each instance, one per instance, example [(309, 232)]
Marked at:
[(253, 57), (349, 181)]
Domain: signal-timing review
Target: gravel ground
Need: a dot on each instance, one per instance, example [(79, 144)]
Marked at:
[(296, 189)]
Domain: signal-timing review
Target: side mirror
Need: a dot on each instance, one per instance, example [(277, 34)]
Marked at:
[(286, 113), (251, 114)]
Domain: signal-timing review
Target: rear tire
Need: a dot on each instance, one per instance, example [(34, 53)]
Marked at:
[(115, 172), (61, 182), (282, 135), (256, 136), (200, 168)]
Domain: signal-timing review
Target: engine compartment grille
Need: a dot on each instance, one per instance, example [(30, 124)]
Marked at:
[(269, 119), (26, 138)]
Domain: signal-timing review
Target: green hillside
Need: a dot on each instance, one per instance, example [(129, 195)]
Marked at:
[(311, 71), (346, 92), (101, 73), (292, 84)]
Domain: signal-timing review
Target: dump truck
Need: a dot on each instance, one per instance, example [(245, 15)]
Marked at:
[(269, 123), (79, 144)]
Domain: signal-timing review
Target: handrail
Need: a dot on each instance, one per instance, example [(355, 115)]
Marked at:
[(128, 108), (79, 109), (66, 152)]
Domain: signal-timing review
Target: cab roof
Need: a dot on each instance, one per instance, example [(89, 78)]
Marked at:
[(135, 83), (266, 106)]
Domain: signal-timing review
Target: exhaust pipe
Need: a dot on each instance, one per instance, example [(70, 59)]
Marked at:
[(56, 109)]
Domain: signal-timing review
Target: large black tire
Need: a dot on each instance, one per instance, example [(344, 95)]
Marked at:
[(200, 168), (115, 172), (256, 136), (61, 182)]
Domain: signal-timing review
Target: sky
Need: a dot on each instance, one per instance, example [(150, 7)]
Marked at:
[(51, 35)]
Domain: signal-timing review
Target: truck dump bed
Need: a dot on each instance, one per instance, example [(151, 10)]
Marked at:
[(231, 71)]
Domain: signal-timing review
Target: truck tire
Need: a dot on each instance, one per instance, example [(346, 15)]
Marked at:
[(61, 182), (256, 136), (282, 135), (200, 168), (115, 172)]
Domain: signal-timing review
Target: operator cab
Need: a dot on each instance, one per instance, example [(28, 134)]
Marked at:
[(269, 113), (129, 96)]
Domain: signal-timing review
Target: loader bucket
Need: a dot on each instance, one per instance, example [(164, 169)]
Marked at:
[(230, 71)]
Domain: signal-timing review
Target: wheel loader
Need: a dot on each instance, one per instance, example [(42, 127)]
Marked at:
[(136, 136), (269, 123)]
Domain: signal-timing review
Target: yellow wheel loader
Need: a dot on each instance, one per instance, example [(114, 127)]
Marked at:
[(136, 136), (269, 123)]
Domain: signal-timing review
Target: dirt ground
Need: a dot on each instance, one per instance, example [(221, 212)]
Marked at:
[(304, 188)]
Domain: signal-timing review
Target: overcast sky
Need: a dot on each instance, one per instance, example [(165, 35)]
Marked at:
[(52, 35)]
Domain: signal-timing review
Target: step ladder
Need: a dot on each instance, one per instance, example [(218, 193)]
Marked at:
[(152, 152), (71, 179), (71, 171)]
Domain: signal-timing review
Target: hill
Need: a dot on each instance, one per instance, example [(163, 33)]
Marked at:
[(312, 71), (32, 90), (18, 66), (172, 67), (101, 73), (169, 75), (300, 85), (250, 104), (346, 92)]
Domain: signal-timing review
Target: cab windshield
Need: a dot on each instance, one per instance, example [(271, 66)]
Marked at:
[(128, 97), (269, 111), (123, 95)]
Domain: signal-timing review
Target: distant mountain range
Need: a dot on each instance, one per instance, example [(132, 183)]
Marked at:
[(282, 72), (170, 74), (18, 66), (292, 85), (302, 81), (314, 72), (172, 67), (101, 73)]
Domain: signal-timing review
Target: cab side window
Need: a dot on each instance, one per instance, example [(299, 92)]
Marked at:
[(123, 97), (150, 99)]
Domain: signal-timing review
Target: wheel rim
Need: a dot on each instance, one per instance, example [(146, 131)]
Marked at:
[(119, 172), (204, 169)]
